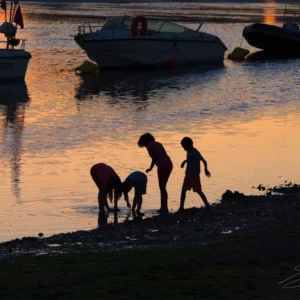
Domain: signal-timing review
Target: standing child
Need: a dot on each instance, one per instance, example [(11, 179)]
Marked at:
[(138, 181), (164, 166), (192, 173), (109, 185)]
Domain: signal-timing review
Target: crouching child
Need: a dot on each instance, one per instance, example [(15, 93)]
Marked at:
[(138, 181)]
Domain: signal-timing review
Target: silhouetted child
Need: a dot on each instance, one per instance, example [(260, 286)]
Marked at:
[(164, 166), (192, 173), (138, 181), (109, 185)]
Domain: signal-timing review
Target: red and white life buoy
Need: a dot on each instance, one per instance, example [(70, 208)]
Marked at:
[(134, 26)]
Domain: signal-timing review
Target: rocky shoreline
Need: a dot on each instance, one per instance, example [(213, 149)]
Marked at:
[(236, 215)]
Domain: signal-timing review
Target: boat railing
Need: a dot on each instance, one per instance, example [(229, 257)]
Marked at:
[(109, 31), (106, 31), (200, 25), (20, 44)]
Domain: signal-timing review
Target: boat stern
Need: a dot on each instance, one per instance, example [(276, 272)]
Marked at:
[(13, 65)]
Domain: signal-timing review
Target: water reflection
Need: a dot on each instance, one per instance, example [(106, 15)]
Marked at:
[(13, 101), (270, 12), (137, 86), (103, 218), (118, 217)]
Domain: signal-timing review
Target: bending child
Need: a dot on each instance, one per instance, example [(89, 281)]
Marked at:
[(138, 181), (109, 185), (164, 166), (192, 173)]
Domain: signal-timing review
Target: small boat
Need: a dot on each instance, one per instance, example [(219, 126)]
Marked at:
[(272, 38), (137, 42), (13, 57)]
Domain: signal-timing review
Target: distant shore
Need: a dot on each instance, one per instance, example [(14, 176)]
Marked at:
[(209, 12), (159, 1), (236, 215)]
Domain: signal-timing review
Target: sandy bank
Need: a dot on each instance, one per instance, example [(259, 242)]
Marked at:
[(235, 215)]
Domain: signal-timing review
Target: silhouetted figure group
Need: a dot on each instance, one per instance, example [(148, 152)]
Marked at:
[(111, 187)]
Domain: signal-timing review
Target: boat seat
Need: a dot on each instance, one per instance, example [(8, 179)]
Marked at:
[(14, 42)]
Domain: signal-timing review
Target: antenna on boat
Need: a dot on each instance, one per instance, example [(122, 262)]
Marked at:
[(14, 13), (16, 2), (10, 13), (199, 27), (285, 10)]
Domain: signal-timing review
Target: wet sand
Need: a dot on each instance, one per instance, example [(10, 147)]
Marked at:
[(236, 215)]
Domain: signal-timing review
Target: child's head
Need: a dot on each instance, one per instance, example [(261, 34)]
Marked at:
[(187, 143), (145, 139), (126, 189)]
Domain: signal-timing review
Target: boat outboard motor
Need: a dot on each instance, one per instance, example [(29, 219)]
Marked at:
[(291, 27)]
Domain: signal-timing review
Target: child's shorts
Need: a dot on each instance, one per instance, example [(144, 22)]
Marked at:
[(138, 181), (140, 188), (192, 182)]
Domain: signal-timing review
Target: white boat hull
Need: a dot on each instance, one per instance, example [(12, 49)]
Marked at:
[(137, 52), (13, 65)]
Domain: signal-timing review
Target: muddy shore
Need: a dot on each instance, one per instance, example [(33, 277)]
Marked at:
[(236, 215)]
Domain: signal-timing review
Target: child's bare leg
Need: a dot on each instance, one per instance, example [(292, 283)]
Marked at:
[(106, 205), (204, 199), (115, 201), (102, 197), (101, 202), (162, 180), (182, 199), (133, 215), (163, 198), (139, 204), (102, 218), (134, 203)]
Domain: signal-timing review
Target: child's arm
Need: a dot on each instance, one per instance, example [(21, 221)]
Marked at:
[(183, 163), (127, 200), (207, 173), (151, 167)]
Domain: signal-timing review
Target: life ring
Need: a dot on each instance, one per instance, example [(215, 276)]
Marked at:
[(134, 26)]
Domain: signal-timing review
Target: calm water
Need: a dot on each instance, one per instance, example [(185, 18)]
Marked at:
[(244, 117)]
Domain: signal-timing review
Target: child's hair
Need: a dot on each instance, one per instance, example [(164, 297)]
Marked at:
[(186, 141), (115, 189), (145, 139)]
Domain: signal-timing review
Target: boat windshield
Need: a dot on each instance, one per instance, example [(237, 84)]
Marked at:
[(172, 28), (117, 22), (152, 25)]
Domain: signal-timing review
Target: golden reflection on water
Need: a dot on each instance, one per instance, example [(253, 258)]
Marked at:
[(238, 156), (14, 98), (270, 13)]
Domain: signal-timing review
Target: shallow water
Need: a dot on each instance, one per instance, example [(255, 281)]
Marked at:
[(243, 117)]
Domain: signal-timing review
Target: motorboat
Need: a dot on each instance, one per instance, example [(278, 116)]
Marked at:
[(139, 42), (272, 38), (13, 57)]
